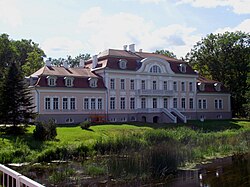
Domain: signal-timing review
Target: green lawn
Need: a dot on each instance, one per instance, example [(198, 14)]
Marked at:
[(25, 148)]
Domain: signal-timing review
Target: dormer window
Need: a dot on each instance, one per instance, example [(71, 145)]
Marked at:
[(155, 69), (217, 86), (93, 82), (51, 80), (68, 81), (183, 68), (201, 86), (123, 63)]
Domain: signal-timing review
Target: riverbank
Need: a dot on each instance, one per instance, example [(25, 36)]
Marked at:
[(133, 150)]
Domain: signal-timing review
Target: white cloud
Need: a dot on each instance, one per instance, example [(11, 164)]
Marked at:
[(59, 46), (238, 6), (105, 31), (9, 13), (147, 1), (243, 26)]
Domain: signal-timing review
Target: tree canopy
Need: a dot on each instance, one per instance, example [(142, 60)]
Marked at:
[(72, 62), (225, 57), (26, 52), (166, 53)]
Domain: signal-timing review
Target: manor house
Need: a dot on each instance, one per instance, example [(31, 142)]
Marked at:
[(127, 85)]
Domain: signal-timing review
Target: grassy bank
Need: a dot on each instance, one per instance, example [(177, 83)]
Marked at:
[(195, 141)]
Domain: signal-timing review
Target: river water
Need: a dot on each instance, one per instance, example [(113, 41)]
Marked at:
[(224, 172)]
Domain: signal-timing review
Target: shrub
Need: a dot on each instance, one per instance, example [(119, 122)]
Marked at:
[(85, 124), (45, 131)]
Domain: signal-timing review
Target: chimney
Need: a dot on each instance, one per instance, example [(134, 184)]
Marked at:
[(82, 63), (140, 50), (65, 64), (132, 48), (125, 47), (47, 63), (94, 61)]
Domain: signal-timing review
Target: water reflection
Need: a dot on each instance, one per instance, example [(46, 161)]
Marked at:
[(139, 171)]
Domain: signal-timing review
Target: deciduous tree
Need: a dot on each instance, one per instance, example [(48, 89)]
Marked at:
[(225, 57)]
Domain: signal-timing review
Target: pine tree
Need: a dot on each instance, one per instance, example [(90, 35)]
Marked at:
[(15, 99)]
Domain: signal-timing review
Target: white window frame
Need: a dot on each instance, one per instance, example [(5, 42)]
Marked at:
[(47, 104), (122, 103), (122, 84), (63, 103), (55, 106), (132, 103), (86, 103), (112, 84), (72, 104), (132, 84), (112, 103)]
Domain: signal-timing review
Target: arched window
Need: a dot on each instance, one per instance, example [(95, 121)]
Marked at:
[(155, 69)]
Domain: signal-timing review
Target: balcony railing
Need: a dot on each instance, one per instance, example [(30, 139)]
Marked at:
[(155, 92)]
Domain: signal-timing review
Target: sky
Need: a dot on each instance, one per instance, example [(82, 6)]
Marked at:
[(73, 27)]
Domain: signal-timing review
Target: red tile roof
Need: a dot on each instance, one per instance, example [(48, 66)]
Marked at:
[(80, 75), (210, 85), (111, 57)]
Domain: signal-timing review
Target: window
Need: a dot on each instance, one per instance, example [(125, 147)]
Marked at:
[(183, 68), (122, 84), (86, 104), (218, 104), (132, 84), (132, 103), (112, 103), (155, 69), (143, 102), (112, 84), (72, 103), (123, 63), (175, 102), (183, 87), (183, 103), (143, 85), (201, 86), (65, 103), (202, 104), (51, 81), (69, 120), (191, 103), (99, 103), (165, 103), (68, 81), (122, 103), (154, 85), (55, 103), (92, 104), (175, 86), (217, 86), (199, 104), (165, 85), (47, 103), (154, 102), (93, 82), (191, 89)]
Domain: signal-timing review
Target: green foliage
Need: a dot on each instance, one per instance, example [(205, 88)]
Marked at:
[(15, 100), (226, 58), (85, 125), (72, 62), (166, 53), (45, 131), (25, 52)]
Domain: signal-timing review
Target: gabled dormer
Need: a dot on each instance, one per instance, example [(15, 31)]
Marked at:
[(217, 86), (123, 63), (51, 80), (201, 86), (93, 82), (183, 68), (69, 81)]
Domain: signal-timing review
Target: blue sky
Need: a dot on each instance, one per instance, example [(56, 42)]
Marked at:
[(71, 27)]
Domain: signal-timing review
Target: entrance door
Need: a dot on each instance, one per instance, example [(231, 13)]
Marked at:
[(155, 119), (144, 119)]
